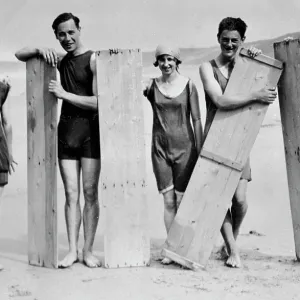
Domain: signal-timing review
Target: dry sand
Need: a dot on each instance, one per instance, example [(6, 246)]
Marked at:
[(269, 271)]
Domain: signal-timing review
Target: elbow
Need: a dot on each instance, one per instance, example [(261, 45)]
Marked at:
[(220, 105), (7, 127), (197, 121), (19, 56), (22, 55), (223, 104)]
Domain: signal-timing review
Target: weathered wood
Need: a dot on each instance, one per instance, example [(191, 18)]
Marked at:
[(221, 160), (123, 171), (41, 165), (289, 101), (212, 185), (264, 59)]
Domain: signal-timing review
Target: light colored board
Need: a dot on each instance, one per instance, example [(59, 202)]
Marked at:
[(289, 101), (41, 165), (213, 182), (123, 167)]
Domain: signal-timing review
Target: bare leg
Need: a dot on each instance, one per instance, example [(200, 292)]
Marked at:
[(227, 233), (90, 178), (239, 207), (179, 197), (1, 192), (169, 215), (232, 223), (70, 173)]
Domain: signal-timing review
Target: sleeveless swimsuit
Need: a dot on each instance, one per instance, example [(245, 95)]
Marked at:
[(78, 129), (211, 110), (174, 152)]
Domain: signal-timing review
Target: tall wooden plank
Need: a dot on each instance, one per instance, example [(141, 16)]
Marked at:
[(123, 171), (41, 165), (289, 101), (218, 169)]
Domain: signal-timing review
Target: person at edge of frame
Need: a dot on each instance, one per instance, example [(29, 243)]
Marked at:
[(6, 157), (176, 143), (78, 132), (215, 75)]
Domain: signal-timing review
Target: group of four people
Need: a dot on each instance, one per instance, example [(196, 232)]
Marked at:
[(176, 144)]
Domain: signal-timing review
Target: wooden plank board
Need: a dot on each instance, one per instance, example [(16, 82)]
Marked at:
[(41, 165), (213, 183), (123, 171), (289, 102)]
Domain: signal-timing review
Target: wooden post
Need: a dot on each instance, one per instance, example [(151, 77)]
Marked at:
[(41, 165), (289, 101), (216, 175), (123, 167)]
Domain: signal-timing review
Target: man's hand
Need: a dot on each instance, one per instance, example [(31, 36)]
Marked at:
[(6, 80), (5, 87), (288, 39), (56, 88), (11, 164), (266, 95), (252, 51), (49, 55)]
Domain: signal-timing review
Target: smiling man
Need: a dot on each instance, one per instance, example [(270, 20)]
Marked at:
[(78, 131), (215, 75)]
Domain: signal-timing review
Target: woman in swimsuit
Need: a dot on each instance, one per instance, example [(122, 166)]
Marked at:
[(176, 143)]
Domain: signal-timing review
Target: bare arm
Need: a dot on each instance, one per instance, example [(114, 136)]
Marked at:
[(196, 117), (48, 54), (84, 102), (212, 87), (146, 84)]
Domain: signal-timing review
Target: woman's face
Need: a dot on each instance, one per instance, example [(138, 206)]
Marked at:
[(167, 64), (230, 41)]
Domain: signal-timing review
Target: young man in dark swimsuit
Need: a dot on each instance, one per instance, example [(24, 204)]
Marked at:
[(215, 75), (78, 132)]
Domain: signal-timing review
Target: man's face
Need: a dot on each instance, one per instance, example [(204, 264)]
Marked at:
[(68, 35), (230, 41)]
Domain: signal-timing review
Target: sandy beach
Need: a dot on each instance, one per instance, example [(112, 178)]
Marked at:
[(269, 270)]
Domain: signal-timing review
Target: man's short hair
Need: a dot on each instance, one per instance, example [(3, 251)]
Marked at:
[(63, 18), (232, 24)]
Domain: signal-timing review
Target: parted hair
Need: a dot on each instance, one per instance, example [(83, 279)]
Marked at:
[(231, 24), (63, 18)]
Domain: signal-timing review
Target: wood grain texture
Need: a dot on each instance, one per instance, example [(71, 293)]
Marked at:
[(41, 165), (213, 183), (289, 101), (123, 171)]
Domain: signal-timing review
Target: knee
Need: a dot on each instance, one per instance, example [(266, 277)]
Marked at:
[(240, 199), (170, 203), (90, 192), (179, 197), (72, 193)]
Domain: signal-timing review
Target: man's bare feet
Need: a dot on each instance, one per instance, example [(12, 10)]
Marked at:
[(234, 260), (69, 260), (90, 260), (166, 261), (223, 252)]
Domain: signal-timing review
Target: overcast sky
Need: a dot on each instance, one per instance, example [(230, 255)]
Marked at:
[(142, 23)]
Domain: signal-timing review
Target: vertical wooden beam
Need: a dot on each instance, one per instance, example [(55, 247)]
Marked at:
[(216, 175), (289, 101), (41, 165), (123, 167)]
